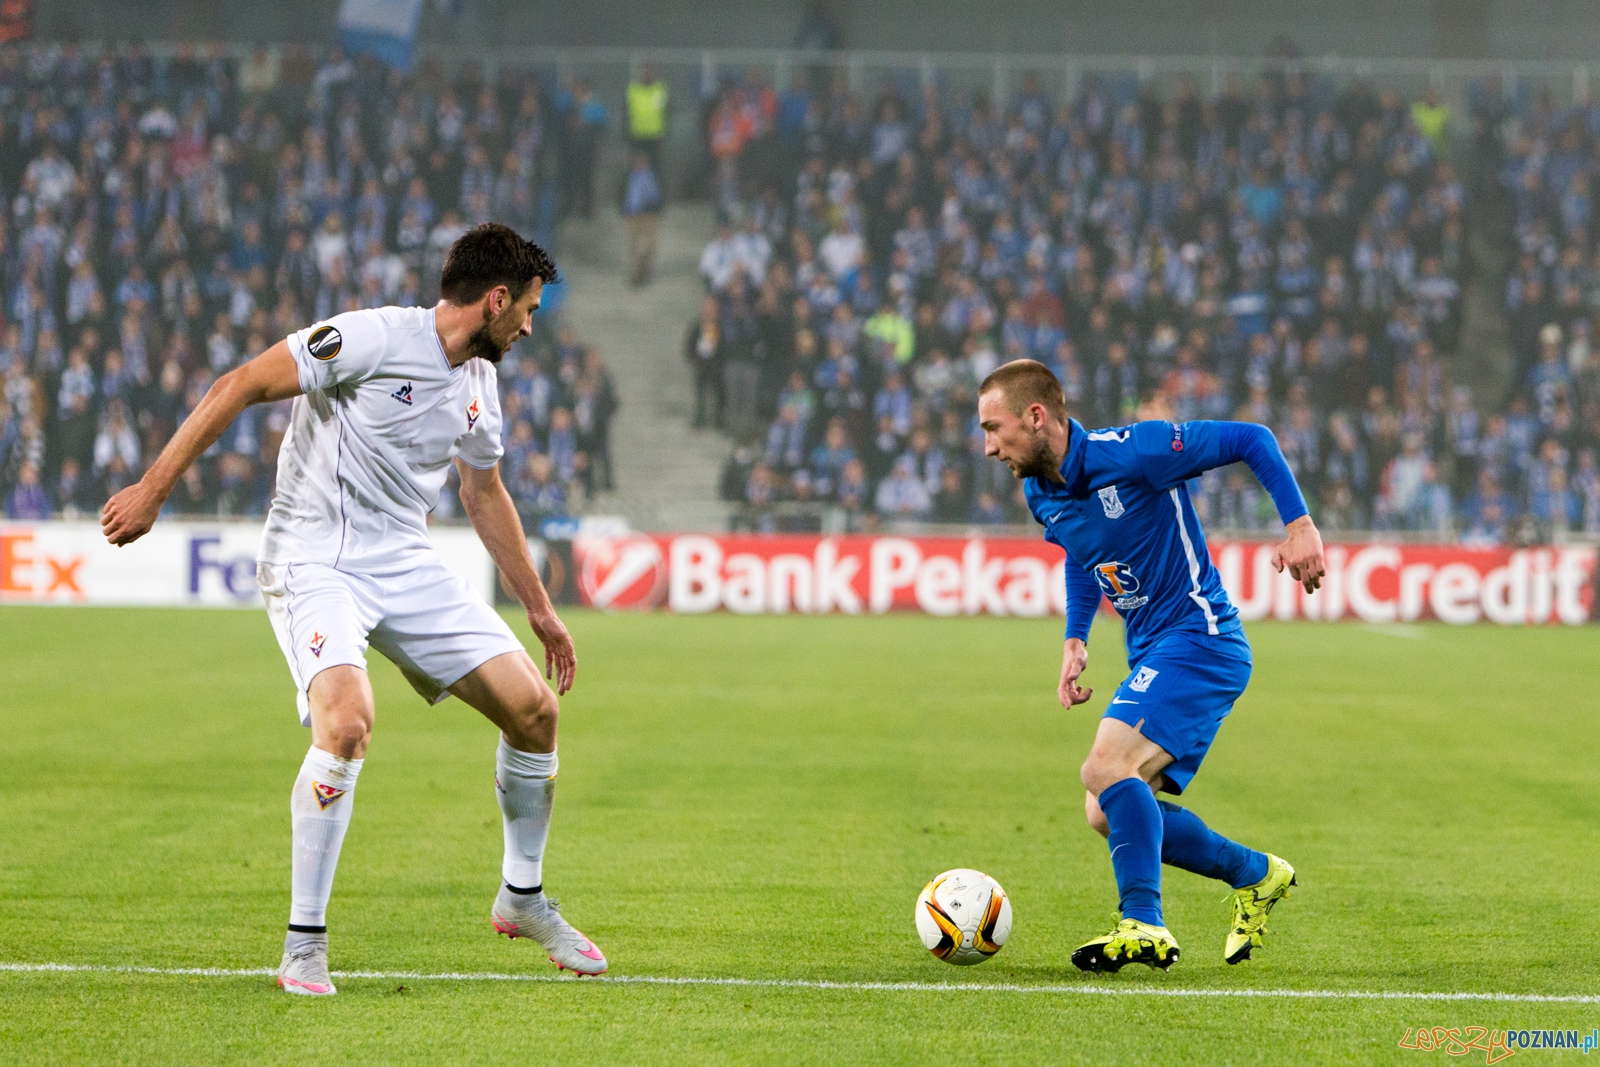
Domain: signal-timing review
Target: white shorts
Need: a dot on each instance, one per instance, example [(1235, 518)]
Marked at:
[(425, 619)]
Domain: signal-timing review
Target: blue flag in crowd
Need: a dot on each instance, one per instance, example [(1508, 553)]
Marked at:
[(386, 29)]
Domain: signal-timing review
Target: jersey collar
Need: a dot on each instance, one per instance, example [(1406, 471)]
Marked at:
[(1072, 462), (1071, 468), (438, 345)]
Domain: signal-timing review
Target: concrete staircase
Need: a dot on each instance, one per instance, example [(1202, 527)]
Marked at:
[(1485, 360), (666, 473)]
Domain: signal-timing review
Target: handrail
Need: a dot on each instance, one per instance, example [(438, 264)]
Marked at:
[(1016, 62), (924, 61)]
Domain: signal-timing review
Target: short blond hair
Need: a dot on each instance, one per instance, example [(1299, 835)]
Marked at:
[(1025, 382)]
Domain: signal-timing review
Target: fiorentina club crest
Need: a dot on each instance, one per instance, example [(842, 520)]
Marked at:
[(474, 409), (326, 794), (621, 572), (1109, 501), (318, 639)]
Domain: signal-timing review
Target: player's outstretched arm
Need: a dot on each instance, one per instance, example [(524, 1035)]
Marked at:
[(494, 516), (1301, 551), (1171, 454), (270, 376)]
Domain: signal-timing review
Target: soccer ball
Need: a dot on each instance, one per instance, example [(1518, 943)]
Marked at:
[(963, 917)]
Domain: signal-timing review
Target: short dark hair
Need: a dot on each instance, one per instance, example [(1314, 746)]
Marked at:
[(1025, 382), (491, 254)]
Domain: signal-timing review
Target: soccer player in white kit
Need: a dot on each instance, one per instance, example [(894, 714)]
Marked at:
[(385, 400)]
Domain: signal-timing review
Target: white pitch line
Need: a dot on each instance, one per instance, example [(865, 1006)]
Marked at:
[(797, 983)]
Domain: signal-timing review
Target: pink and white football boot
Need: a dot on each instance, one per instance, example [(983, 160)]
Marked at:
[(304, 970), (535, 916)]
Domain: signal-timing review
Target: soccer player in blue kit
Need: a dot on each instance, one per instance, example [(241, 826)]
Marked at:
[(1116, 501)]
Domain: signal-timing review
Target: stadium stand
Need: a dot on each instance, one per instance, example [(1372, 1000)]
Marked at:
[(171, 216), (1293, 253)]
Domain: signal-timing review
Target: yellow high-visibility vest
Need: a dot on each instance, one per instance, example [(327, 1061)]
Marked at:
[(895, 331), (647, 109), (1430, 121)]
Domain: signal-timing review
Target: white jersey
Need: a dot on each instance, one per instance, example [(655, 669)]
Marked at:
[(370, 443)]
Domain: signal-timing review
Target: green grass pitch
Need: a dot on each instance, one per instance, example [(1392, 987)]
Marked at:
[(762, 798)]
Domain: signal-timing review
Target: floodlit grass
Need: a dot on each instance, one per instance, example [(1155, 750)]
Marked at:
[(763, 798)]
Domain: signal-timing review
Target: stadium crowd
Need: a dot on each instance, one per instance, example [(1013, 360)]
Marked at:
[(170, 217), (1285, 253)]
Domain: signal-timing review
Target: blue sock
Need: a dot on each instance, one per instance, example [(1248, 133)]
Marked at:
[(1189, 843), (1135, 840)]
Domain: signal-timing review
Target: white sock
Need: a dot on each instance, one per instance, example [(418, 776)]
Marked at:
[(525, 785), (320, 808)]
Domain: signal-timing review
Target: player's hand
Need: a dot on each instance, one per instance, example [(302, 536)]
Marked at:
[(129, 515), (560, 658), (1301, 552), (1074, 659)]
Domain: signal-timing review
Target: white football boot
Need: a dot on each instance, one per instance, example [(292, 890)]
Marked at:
[(304, 970), (535, 916)]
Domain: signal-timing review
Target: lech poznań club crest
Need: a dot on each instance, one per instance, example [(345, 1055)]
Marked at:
[(1109, 501)]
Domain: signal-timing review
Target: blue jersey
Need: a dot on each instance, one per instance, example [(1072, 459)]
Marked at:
[(1123, 514)]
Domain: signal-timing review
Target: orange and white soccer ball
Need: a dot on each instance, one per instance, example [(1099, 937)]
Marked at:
[(963, 916)]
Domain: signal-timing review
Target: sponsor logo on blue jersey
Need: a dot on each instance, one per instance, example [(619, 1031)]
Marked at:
[(1120, 585)]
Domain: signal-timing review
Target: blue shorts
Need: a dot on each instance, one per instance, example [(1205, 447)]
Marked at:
[(1178, 694)]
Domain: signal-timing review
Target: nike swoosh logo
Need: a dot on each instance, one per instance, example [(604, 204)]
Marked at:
[(1114, 851), (1116, 701)]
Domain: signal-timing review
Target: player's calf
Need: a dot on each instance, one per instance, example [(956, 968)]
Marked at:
[(319, 807), (1094, 816)]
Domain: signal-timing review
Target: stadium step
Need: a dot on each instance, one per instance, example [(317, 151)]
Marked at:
[(1485, 361), (666, 473)]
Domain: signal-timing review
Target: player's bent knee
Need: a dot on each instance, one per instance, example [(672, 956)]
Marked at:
[(532, 723), (341, 711), (345, 737), (343, 730), (543, 713), (509, 691), (1098, 774)]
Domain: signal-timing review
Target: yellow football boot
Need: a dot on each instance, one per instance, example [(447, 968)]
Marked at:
[(1251, 905), (1131, 942)]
